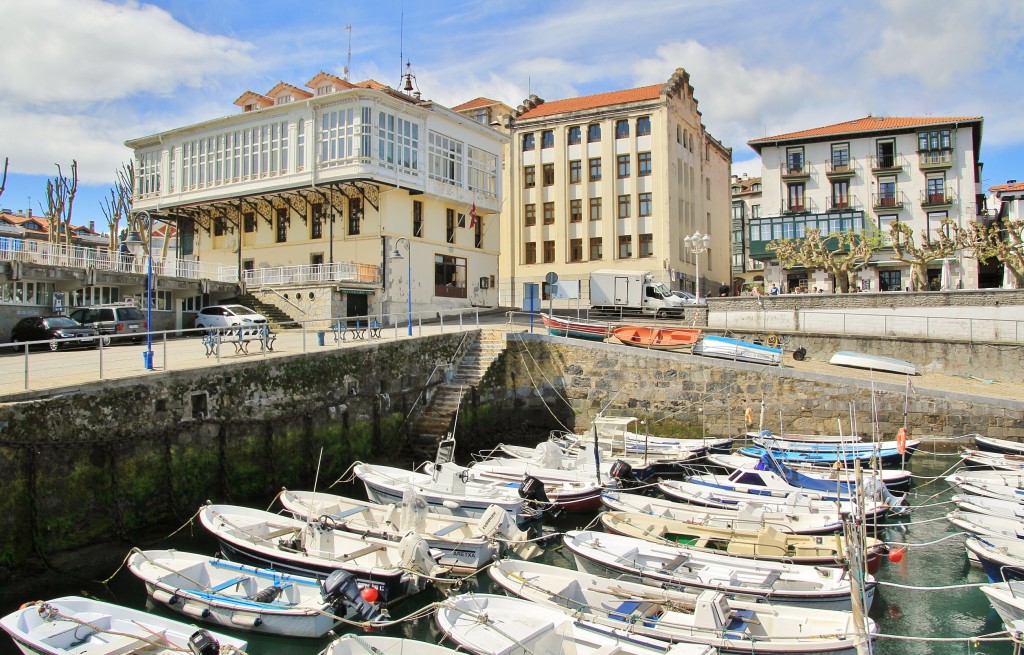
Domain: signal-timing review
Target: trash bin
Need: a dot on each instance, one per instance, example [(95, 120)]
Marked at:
[(147, 359), (320, 337)]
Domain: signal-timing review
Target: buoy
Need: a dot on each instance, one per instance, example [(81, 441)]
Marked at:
[(748, 416), (896, 556), (369, 594), (901, 441)]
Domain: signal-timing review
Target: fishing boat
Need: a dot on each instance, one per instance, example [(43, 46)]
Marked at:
[(566, 326), (1001, 446), (356, 644), (792, 519), (1007, 599), (738, 350), (84, 626), (872, 362), (984, 459), (893, 479), (466, 545), (774, 443), (657, 338), (245, 597), (395, 570), (697, 494), (707, 617), (989, 506), (1001, 557), (886, 457), (623, 434), (766, 543), (1010, 478), (676, 566), (488, 624), (809, 438)]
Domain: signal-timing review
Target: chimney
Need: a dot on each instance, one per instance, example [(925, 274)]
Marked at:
[(92, 226), (29, 212), (1011, 181)]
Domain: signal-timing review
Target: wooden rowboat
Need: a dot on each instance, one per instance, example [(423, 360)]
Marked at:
[(657, 338), (564, 326)]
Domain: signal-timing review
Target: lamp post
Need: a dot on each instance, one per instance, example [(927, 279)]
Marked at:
[(408, 254), (149, 293), (697, 243)]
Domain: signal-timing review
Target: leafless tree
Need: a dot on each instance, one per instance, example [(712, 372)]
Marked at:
[(60, 199), (119, 203), (841, 255), (918, 256), (1002, 239)]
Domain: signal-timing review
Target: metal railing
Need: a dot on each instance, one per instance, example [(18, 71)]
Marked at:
[(304, 274), (105, 259)]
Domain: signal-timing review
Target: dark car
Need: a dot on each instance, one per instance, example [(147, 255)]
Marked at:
[(120, 322), (58, 330)]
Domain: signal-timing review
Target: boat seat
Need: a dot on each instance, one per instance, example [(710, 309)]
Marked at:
[(117, 645), (230, 583), (450, 528), (349, 512), (738, 623)]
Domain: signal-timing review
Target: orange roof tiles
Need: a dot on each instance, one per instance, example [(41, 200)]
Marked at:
[(475, 103), (283, 88), (1009, 187), (593, 101), (866, 124)]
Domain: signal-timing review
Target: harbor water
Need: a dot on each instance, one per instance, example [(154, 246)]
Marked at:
[(940, 619)]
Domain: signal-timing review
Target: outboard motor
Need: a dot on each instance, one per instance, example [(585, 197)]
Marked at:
[(340, 588), (532, 491), (202, 643), (623, 472), (268, 595)]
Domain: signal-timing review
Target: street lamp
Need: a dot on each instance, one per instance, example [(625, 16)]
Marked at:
[(148, 355), (398, 255), (697, 244)]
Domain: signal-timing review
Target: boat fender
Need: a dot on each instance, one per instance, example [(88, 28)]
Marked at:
[(202, 643), (167, 598), (340, 588), (268, 595), (800, 354)]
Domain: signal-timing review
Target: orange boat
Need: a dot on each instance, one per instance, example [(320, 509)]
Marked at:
[(657, 337)]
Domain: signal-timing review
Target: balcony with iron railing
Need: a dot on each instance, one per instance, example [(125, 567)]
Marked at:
[(888, 202), (839, 168), (842, 203), (104, 259), (796, 171), (937, 199), (931, 160), (803, 206), (887, 163), (351, 272)]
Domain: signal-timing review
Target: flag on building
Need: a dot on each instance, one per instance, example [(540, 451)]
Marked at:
[(472, 216)]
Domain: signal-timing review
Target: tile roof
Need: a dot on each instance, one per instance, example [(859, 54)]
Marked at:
[(475, 103), (1002, 188), (593, 101), (866, 124)]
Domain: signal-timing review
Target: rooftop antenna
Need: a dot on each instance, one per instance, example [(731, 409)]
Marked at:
[(348, 62), (401, 36)]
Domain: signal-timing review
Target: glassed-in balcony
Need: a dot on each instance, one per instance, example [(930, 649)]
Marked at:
[(932, 160), (762, 231)]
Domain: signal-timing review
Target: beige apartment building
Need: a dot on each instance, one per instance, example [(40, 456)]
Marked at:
[(304, 197), (612, 181)]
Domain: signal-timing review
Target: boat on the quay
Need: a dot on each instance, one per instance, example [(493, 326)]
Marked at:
[(796, 518), (766, 544), (676, 566), (395, 570), (657, 338), (83, 626), (466, 544), (579, 328), (872, 362), (488, 624), (706, 617), (737, 350), (250, 598)]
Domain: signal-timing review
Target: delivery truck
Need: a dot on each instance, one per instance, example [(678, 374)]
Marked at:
[(632, 292)]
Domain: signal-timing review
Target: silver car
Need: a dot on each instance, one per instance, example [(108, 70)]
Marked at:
[(225, 316), (113, 322)]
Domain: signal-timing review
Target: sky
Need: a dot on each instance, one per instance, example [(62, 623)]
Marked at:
[(80, 77)]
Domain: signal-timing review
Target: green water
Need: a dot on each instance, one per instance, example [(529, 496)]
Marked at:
[(942, 613)]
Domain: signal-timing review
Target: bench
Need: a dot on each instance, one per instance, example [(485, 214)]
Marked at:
[(240, 337), (358, 332)]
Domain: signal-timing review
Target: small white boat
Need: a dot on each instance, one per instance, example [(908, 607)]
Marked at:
[(738, 350), (622, 435), (677, 566), (488, 624), (1001, 557), (1011, 478), (245, 597), (989, 506), (394, 570), (466, 545), (1007, 599), (778, 443), (356, 644), (698, 494), (872, 362), (1000, 446), (795, 519), (986, 524), (965, 484), (707, 617), (809, 438), (83, 626), (991, 460)]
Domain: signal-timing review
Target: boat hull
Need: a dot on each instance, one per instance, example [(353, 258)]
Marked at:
[(1001, 446), (872, 362), (738, 350), (578, 329)]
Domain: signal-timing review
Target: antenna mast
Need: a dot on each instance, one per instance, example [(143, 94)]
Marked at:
[(348, 61)]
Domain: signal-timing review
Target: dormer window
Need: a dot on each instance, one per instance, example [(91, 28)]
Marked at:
[(285, 99), (324, 90), (32, 225), (251, 107)]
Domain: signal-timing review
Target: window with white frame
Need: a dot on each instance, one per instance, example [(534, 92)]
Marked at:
[(445, 155), (147, 173), (398, 143), (345, 136), (482, 170)]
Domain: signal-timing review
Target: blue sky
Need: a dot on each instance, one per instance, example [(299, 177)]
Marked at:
[(79, 77)]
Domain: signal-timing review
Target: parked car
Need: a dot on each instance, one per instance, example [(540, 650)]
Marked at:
[(688, 298), (120, 322), (225, 316), (59, 330)]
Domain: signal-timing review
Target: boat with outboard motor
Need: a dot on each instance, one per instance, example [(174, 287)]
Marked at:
[(893, 479)]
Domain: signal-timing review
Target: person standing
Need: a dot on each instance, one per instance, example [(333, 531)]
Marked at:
[(774, 290)]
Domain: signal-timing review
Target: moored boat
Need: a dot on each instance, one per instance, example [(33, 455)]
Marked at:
[(705, 617), (985, 459), (1007, 599), (677, 566), (989, 506), (886, 457), (361, 644), (657, 338), (84, 626), (893, 479), (1001, 557), (250, 598), (1001, 446), (738, 350), (566, 326)]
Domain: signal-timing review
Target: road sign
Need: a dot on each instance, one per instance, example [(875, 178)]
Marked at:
[(551, 278)]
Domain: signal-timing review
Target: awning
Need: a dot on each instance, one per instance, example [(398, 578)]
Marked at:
[(357, 292)]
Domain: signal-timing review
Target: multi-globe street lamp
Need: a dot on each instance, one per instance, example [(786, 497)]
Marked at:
[(697, 244), (408, 255)]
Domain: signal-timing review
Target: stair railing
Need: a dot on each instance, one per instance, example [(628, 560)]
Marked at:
[(282, 297), (430, 378)]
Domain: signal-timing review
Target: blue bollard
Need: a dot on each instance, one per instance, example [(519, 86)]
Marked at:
[(147, 359), (320, 337)]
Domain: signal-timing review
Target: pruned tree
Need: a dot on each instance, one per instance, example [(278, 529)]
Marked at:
[(60, 200), (118, 204), (841, 254), (1002, 239), (3, 180), (919, 256)]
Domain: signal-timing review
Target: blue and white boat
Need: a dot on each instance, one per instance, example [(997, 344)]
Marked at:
[(1001, 557), (887, 456), (737, 349)]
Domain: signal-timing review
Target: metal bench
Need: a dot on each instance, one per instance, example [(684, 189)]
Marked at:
[(240, 337)]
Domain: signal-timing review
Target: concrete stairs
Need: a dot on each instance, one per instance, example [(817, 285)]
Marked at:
[(436, 420), (277, 316)]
